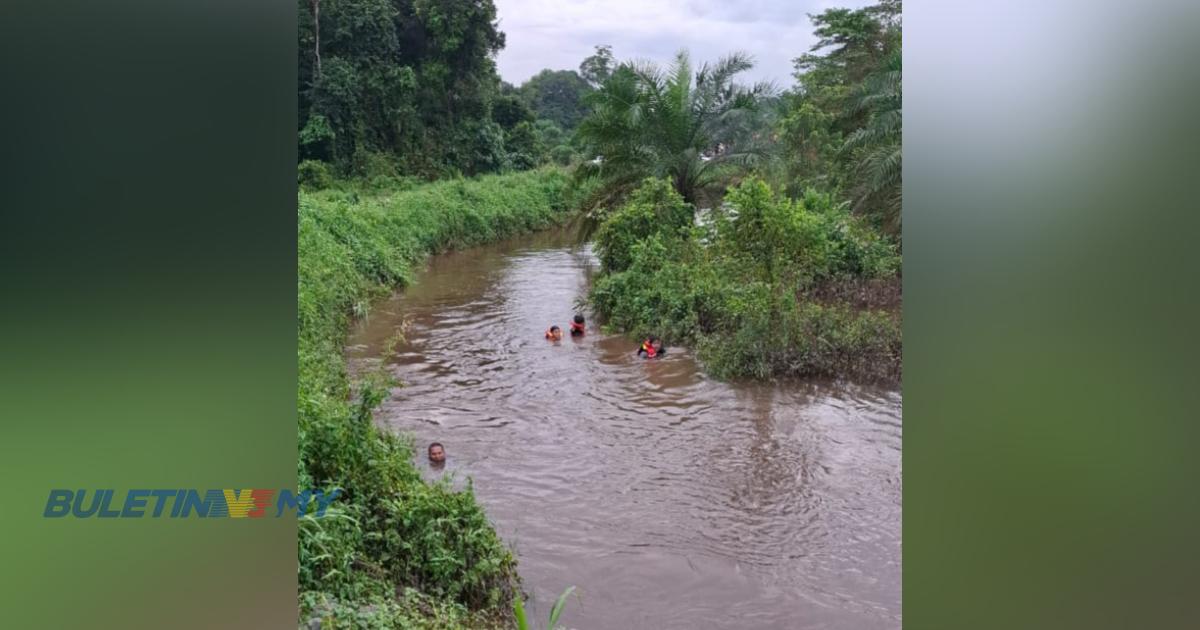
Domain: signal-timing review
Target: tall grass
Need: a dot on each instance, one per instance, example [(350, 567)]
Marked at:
[(555, 612), (395, 551)]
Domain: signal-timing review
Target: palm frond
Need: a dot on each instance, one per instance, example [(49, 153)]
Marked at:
[(647, 121)]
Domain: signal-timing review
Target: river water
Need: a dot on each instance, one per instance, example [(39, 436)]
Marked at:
[(670, 500)]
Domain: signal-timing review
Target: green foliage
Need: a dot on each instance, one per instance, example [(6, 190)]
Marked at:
[(411, 610), (876, 147), (598, 67), (562, 155), (742, 288), (555, 612), (508, 110), (841, 125), (317, 137), (525, 147), (650, 122), (559, 605), (549, 133), (558, 96), (811, 143), (654, 209), (391, 529), (313, 175), (414, 79)]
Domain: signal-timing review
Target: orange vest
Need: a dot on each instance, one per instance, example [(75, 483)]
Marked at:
[(648, 349)]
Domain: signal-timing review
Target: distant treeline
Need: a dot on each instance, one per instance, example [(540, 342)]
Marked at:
[(415, 81)]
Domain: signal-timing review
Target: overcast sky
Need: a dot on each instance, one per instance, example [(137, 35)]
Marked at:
[(558, 34)]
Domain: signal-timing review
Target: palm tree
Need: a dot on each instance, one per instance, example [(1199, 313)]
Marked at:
[(691, 129), (876, 147)]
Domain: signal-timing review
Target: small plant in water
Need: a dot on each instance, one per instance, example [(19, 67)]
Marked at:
[(555, 613)]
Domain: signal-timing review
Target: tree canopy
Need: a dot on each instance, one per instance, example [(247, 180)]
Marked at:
[(414, 79), (596, 68), (841, 125), (558, 96), (680, 123)]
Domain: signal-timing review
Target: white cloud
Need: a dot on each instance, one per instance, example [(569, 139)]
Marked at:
[(558, 34)]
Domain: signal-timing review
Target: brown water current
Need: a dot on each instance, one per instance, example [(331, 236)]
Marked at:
[(669, 499)]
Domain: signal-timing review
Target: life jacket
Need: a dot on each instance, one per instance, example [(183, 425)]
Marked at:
[(576, 329), (550, 334), (648, 349)]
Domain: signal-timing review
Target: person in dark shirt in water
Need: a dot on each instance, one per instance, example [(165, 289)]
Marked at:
[(652, 348), (577, 326)]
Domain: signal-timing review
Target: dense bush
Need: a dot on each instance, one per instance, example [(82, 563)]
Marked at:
[(738, 286), (391, 530), (653, 209), (313, 175), (525, 148), (562, 155)]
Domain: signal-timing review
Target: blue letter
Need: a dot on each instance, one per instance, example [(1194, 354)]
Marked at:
[(96, 496), (212, 506), (59, 503), (323, 501), (162, 496), (298, 502), (135, 500), (105, 512)]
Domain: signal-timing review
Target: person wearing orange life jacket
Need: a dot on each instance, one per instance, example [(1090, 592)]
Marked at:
[(652, 348), (577, 329), (554, 334)]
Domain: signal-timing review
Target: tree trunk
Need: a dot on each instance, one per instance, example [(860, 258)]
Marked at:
[(316, 9)]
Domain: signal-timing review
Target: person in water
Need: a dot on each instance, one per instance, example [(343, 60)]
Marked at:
[(437, 456), (652, 348), (577, 326), (554, 334)]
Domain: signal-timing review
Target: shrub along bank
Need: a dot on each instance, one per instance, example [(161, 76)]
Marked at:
[(394, 551), (749, 286)]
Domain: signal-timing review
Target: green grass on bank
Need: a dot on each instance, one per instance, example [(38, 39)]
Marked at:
[(395, 551)]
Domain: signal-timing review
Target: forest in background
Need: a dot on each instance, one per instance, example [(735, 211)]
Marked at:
[(409, 88)]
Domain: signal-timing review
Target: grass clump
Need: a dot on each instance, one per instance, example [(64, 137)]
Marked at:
[(394, 551), (749, 284)]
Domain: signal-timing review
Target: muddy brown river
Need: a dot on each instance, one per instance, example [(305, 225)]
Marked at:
[(669, 499)]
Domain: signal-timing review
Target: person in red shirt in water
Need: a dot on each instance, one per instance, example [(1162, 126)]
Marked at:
[(652, 348), (577, 326)]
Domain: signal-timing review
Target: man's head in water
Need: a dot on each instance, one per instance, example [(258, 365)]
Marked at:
[(554, 334), (577, 325), (437, 453)]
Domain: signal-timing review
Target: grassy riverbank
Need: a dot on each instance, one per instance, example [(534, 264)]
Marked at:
[(395, 551), (767, 286)]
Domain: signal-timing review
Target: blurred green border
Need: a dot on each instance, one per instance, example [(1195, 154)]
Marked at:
[(148, 317)]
